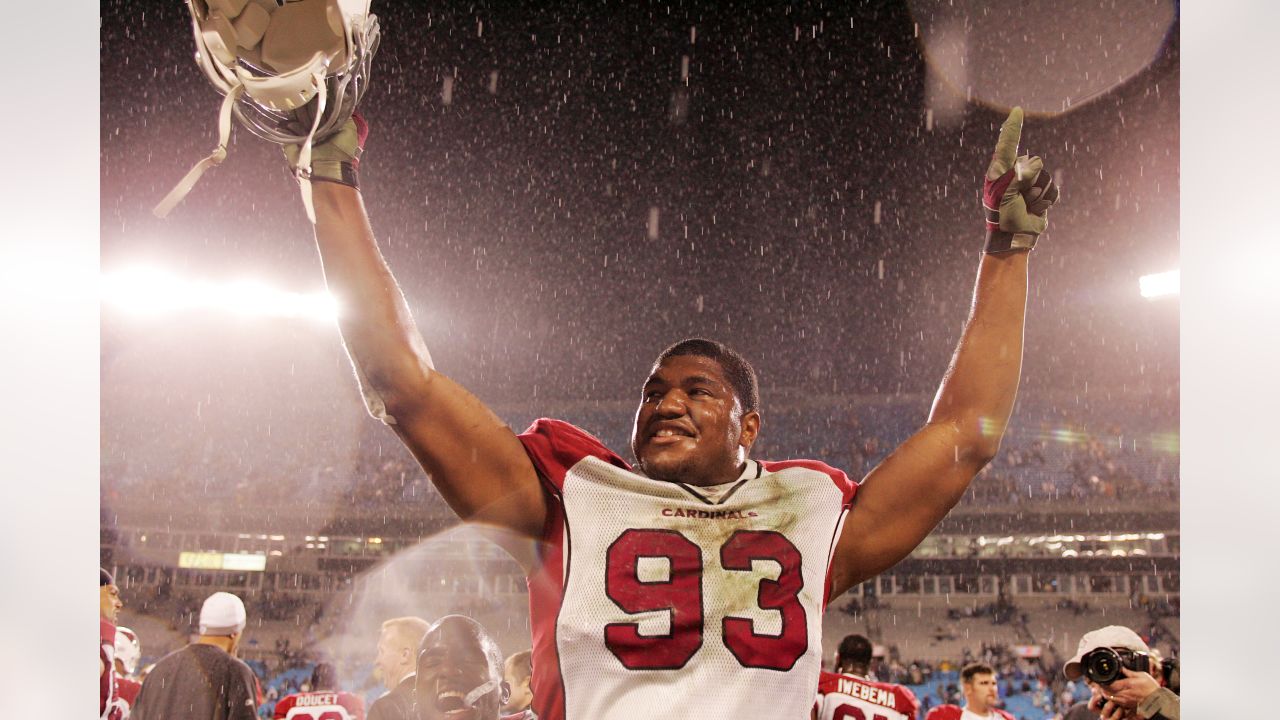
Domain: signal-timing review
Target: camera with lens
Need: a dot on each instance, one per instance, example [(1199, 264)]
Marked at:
[(1102, 665)]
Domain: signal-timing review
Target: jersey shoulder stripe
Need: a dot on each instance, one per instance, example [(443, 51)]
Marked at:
[(554, 446), (945, 712), (838, 476)]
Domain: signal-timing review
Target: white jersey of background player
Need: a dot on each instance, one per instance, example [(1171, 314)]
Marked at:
[(847, 694), (693, 581)]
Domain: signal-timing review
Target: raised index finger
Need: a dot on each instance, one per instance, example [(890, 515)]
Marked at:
[(1007, 146)]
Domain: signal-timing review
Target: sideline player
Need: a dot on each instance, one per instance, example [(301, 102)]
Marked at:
[(459, 673), (324, 702), (128, 653), (981, 694), (696, 575), (110, 705), (847, 694)]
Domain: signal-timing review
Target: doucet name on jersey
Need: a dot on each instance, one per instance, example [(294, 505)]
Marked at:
[(710, 514), (314, 699), (855, 689)]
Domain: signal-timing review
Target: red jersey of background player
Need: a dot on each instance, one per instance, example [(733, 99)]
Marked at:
[(328, 704), (127, 689), (109, 704), (955, 712), (849, 697)]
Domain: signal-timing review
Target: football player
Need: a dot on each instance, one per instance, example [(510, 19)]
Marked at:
[(459, 673), (981, 695), (847, 693), (323, 702), (695, 576), (110, 706), (128, 653)]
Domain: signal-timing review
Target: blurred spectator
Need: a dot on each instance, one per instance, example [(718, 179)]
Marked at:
[(518, 671), (395, 665)]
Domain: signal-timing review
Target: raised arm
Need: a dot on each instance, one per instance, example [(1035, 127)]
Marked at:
[(472, 457), (908, 494)]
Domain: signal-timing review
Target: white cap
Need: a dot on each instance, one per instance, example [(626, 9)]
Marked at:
[(1111, 636), (222, 614)]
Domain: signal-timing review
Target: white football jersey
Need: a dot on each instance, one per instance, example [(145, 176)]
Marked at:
[(659, 599)]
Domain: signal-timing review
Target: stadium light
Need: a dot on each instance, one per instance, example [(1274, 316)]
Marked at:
[(150, 291), (1159, 284)]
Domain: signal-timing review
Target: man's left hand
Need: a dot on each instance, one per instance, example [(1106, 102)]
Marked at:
[(1119, 699)]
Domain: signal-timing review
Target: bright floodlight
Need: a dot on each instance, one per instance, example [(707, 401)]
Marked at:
[(152, 291), (1160, 284)]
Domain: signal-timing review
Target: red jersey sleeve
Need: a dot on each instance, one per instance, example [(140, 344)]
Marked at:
[(353, 703), (907, 699), (944, 712), (283, 707), (554, 446), (127, 689), (826, 682)]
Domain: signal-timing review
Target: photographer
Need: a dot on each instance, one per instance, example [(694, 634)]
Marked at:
[(1124, 675)]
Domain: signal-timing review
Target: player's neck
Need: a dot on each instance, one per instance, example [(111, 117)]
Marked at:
[(723, 476), (218, 641)]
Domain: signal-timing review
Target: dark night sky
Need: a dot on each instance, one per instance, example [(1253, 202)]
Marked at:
[(516, 221)]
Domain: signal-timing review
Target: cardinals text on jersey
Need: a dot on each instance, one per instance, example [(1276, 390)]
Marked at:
[(656, 595)]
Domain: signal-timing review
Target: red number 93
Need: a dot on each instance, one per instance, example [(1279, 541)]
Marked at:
[(680, 595)]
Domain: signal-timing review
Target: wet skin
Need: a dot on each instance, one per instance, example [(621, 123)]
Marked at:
[(451, 663)]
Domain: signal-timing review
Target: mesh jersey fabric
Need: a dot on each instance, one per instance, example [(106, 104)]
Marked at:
[(649, 594)]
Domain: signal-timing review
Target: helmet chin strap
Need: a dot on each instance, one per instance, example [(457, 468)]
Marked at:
[(479, 692), (219, 154), (304, 157)]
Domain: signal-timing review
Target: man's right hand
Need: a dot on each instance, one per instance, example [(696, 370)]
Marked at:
[(1017, 192), (337, 158)]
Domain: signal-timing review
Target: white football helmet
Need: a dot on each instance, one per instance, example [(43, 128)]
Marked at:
[(292, 72), (128, 649)]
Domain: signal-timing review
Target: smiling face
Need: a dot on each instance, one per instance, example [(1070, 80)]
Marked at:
[(456, 658), (690, 426)]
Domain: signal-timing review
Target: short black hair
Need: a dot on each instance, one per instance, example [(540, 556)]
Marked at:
[(736, 368), (855, 650), (324, 677), (968, 671)]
